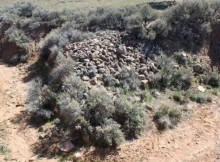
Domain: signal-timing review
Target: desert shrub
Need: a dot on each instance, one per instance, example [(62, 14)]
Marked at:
[(41, 101), (17, 36), (109, 134), (99, 107), (184, 22), (75, 88), (210, 77), (62, 68), (167, 117), (70, 112), (182, 79), (118, 18), (169, 76), (128, 79), (14, 48), (214, 78), (109, 80), (200, 97), (179, 97), (131, 116), (22, 9), (57, 39), (182, 59)]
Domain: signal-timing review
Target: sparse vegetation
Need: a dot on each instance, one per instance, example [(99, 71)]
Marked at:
[(167, 117), (107, 107)]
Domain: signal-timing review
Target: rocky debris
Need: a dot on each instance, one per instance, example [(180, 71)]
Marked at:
[(106, 55), (66, 146), (197, 68)]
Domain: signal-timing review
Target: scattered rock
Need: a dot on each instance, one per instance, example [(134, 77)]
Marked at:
[(77, 155), (156, 94), (66, 146), (197, 68), (201, 88)]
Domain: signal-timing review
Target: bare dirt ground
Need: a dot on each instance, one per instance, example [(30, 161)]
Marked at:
[(197, 139), (16, 135)]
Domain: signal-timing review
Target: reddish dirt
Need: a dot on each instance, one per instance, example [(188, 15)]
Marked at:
[(197, 139), (18, 137)]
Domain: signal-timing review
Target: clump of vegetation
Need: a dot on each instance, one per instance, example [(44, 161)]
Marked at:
[(128, 80), (200, 97), (170, 76), (167, 117), (179, 97), (132, 117)]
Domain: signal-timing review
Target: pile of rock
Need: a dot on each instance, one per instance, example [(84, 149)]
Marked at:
[(106, 55)]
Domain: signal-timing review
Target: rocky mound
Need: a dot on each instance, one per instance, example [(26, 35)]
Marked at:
[(107, 55)]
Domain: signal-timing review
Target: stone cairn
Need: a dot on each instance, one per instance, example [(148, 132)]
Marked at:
[(106, 55)]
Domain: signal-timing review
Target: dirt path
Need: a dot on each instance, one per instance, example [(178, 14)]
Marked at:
[(16, 137)]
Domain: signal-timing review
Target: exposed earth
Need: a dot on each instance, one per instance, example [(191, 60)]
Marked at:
[(197, 138)]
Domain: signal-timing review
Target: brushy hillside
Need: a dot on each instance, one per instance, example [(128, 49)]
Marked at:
[(101, 71)]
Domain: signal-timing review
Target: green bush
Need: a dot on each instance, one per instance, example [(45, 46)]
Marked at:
[(178, 97), (200, 97), (128, 80), (99, 107), (109, 134), (131, 116), (167, 117), (211, 78), (57, 39)]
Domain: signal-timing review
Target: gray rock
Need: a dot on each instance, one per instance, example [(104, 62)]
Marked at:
[(101, 70), (156, 94), (197, 68), (66, 146), (142, 77), (85, 78), (121, 49)]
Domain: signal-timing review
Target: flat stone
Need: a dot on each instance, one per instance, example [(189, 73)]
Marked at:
[(201, 88), (85, 78)]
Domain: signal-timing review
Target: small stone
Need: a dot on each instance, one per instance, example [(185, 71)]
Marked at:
[(85, 78), (144, 83), (197, 68), (101, 70), (142, 77), (121, 49), (93, 81), (66, 146), (156, 94), (77, 155), (176, 66), (184, 54), (86, 60), (201, 88)]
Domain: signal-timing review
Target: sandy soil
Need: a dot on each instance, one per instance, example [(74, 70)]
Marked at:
[(17, 135)]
